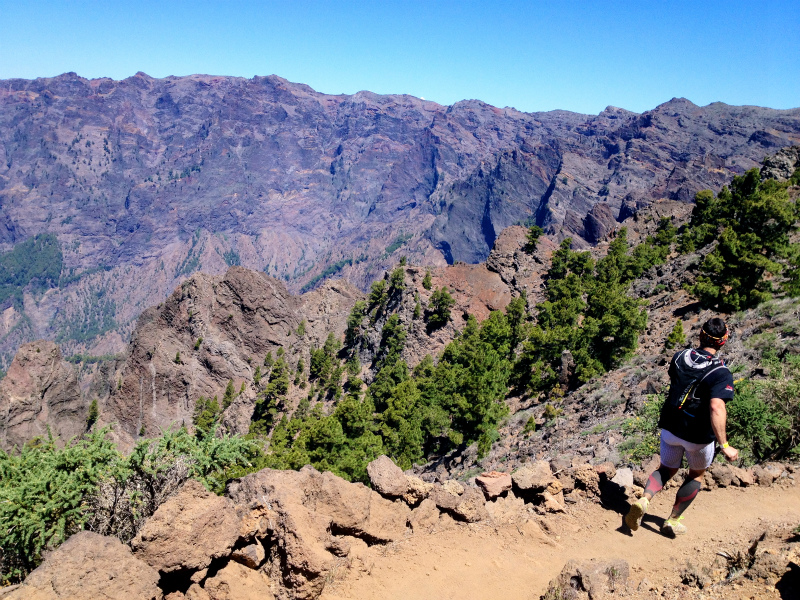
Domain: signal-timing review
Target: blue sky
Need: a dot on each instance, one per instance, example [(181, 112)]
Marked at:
[(579, 56)]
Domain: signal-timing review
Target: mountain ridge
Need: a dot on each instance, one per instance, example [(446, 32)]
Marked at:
[(144, 181)]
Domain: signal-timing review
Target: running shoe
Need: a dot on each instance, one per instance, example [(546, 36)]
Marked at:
[(673, 527), (636, 512)]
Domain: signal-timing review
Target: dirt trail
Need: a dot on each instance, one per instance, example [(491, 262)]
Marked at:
[(472, 562)]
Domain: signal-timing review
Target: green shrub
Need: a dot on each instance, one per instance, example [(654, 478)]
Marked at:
[(676, 337), (533, 235), (764, 416), (641, 432), (43, 492)]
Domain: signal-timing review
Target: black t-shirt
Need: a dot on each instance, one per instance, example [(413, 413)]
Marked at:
[(696, 427)]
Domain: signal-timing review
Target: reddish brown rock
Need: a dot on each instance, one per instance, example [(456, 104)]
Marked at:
[(40, 391), (188, 531), (589, 580), (763, 476), (386, 477), (722, 474), (534, 477), (425, 517), (606, 470), (493, 483), (237, 582), (250, 556), (302, 509), (444, 498), (418, 490), (471, 506), (89, 565), (744, 476), (586, 478)]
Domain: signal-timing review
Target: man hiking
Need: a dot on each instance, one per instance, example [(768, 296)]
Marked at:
[(692, 417)]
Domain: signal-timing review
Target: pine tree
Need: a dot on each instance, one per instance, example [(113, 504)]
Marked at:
[(439, 306), (93, 415), (677, 337), (426, 281)]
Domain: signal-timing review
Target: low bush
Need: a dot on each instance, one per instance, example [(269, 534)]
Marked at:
[(48, 493)]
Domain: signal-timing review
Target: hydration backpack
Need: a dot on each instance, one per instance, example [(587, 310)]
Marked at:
[(689, 371)]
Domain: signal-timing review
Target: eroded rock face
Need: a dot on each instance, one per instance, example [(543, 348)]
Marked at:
[(40, 390), (782, 164), (188, 531), (89, 565), (215, 329), (308, 516)]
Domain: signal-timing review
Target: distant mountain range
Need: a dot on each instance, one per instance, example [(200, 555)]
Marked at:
[(144, 181)]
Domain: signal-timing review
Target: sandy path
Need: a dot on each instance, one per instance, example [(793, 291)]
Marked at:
[(483, 562)]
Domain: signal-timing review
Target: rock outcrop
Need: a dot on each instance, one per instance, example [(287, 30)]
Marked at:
[(188, 531), (89, 565), (215, 329), (309, 519), (589, 580), (39, 391)]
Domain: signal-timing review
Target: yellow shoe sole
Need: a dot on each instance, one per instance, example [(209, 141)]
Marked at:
[(634, 515)]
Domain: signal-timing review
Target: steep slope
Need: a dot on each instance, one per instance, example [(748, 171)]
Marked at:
[(144, 181)]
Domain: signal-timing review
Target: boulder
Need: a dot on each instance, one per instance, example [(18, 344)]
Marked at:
[(623, 478), (551, 503), (592, 580), (451, 486), (443, 498), (606, 470), (471, 507), (237, 582), (306, 514), (586, 478), (188, 531), (418, 490), (534, 477), (89, 565), (386, 477), (744, 476), (763, 476), (250, 556), (425, 517), (494, 483), (722, 474)]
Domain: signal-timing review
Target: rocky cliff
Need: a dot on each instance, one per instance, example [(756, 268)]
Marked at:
[(40, 394), (145, 181)]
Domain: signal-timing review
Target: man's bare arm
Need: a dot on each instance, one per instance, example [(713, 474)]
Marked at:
[(719, 417)]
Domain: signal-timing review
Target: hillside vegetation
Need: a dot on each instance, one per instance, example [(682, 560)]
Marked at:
[(588, 324)]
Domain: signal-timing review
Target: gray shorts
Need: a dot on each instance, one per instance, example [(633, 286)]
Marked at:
[(699, 456)]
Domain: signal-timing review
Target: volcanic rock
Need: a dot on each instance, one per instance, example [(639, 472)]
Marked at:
[(493, 483), (188, 531), (386, 477), (89, 565), (534, 477), (237, 582), (40, 391), (590, 580), (305, 514)]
